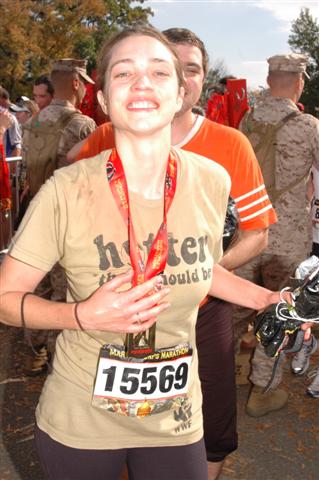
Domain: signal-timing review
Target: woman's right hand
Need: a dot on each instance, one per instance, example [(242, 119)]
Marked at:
[(6, 121), (131, 311)]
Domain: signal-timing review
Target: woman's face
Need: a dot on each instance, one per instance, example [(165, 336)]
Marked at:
[(141, 87)]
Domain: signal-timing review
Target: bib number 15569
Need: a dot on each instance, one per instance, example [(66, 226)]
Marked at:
[(136, 381)]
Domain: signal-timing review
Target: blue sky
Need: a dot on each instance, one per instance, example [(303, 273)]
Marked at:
[(243, 34)]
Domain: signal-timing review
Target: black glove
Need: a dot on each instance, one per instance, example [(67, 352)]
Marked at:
[(278, 334), (275, 334)]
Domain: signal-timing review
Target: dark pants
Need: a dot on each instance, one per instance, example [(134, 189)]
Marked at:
[(215, 344), (315, 249), (60, 462)]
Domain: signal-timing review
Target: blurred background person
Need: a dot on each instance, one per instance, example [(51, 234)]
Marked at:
[(43, 91), (12, 136), (24, 109)]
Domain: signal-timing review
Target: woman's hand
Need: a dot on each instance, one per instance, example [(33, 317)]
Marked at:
[(131, 311), (6, 121), (276, 297)]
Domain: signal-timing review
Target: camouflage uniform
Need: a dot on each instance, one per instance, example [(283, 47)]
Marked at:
[(79, 127), (297, 150)]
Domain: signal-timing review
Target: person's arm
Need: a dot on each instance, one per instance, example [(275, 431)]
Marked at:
[(6, 121), (231, 288), (102, 138), (310, 188), (16, 152), (75, 150), (15, 134), (247, 246), (131, 311)]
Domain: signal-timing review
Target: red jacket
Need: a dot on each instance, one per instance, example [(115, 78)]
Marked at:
[(5, 190)]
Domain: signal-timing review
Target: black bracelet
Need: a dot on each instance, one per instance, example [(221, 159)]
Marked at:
[(26, 330), (77, 316), (23, 324)]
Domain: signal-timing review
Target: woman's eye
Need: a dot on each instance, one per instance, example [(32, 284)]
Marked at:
[(190, 73), (161, 73), (121, 75)]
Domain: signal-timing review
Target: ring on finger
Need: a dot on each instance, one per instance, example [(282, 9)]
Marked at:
[(138, 321)]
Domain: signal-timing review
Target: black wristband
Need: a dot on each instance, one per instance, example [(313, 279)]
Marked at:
[(76, 316), (23, 324)]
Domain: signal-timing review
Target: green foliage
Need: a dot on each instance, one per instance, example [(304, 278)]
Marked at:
[(33, 33), (304, 38), (119, 14)]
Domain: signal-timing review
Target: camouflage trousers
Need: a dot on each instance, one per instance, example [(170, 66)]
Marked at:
[(53, 287), (273, 272)]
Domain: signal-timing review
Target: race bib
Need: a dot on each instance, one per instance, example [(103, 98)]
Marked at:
[(138, 387)]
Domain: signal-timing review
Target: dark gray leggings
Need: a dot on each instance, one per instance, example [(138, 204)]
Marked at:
[(59, 462)]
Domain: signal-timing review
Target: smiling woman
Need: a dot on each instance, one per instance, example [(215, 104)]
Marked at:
[(142, 89), (124, 386)]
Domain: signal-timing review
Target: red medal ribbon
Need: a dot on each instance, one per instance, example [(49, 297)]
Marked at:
[(158, 253), (157, 257)]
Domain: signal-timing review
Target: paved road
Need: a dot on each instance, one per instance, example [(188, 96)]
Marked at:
[(284, 445)]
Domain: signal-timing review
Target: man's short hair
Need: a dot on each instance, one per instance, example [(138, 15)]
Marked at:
[(283, 79), (223, 80), (185, 36), (45, 80)]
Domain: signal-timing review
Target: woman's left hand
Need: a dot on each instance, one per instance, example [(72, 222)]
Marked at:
[(276, 297)]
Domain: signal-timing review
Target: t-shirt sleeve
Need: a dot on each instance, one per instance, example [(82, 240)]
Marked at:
[(15, 134), (39, 239), (78, 128), (253, 204), (99, 140)]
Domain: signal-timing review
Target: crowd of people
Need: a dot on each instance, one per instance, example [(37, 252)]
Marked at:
[(120, 253)]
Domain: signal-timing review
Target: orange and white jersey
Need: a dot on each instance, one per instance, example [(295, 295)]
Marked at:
[(226, 146)]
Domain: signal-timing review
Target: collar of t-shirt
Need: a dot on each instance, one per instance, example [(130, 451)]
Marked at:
[(197, 124)]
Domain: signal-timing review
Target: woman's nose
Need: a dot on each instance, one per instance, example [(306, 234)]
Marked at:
[(142, 81)]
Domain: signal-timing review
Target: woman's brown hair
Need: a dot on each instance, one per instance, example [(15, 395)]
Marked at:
[(140, 30)]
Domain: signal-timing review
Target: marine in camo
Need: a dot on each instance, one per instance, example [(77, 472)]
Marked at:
[(297, 150), (68, 77)]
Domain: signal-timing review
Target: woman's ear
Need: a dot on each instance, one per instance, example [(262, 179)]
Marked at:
[(102, 102)]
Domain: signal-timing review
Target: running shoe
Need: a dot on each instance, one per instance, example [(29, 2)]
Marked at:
[(300, 361), (313, 389)]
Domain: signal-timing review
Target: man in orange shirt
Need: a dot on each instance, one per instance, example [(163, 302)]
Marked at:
[(214, 329)]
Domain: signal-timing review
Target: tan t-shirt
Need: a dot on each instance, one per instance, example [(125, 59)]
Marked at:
[(74, 220)]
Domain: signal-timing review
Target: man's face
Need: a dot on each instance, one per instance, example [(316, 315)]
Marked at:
[(192, 61), (4, 102), (41, 95)]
